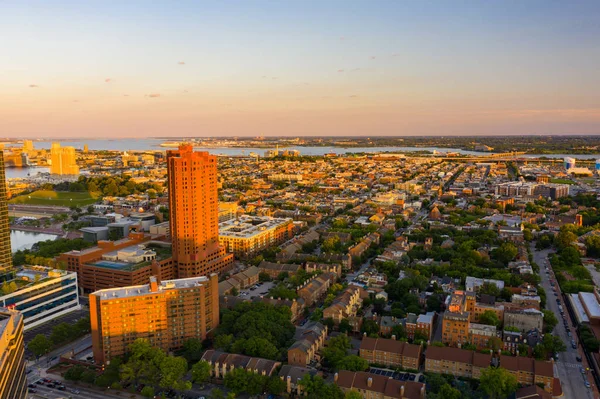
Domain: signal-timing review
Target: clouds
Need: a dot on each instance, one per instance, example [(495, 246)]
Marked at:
[(340, 70), (181, 63), (34, 86), (153, 95), (108, 80)]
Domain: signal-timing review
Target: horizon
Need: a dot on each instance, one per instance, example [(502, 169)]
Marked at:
[(299, 69)]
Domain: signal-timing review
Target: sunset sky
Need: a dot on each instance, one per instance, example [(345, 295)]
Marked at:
[(247, 68)]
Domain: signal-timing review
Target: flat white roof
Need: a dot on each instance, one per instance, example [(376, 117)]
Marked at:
[(579, 310), (591, 303)]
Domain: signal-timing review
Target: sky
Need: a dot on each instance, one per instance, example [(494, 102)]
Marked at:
[(110, 69)]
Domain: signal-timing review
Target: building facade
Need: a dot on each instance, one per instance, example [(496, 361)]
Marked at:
[(194, 213), (247, 235), (13, 384), (391, 353), (63, 160), (165, 313), (5, 248), (45, 295)]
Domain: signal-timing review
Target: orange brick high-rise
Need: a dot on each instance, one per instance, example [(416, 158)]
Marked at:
[(194, 213)]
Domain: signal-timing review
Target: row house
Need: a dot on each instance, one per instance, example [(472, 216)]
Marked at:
[(222, 363), (456, 362), (421, 324), (315, 289), (345, 305), (374, 386), (391, 353), (308, 342), (529, 371)]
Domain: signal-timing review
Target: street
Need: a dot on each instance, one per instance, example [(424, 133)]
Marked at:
[(567, 367)]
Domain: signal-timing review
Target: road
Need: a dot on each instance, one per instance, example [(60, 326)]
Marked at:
[(38, 367), (567, 366), (43, 392)]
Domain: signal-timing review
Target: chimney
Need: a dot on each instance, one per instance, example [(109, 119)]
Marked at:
[(288, 384), (402, 391), (394, 337), (422, 392), (335, 377), (364, 334), (369, 382)]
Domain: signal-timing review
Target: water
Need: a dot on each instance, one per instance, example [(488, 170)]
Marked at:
[(24, 172), (26, 239), (146, 144)]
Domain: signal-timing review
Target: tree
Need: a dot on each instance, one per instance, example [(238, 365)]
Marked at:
[(497, 382), (505, 252), (490, 318), (217, 393), (550, 321), (353, 363), (172, 370), (336, 350), (399, 331), (275, 385), (192, 350), (264, 276), (447, 392), (147, 391), (352, 394), (370, 327), (345, 326), (39, 345), (201, 372), (234, 292), (74, 373)]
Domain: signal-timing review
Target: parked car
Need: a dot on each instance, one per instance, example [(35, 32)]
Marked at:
[(573, 344), (578, 358), (422, 378)]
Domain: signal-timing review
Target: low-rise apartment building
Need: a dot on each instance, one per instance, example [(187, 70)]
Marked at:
[(529, 371), (309, 341), (372, 386), (345, 305), (421, 324), (247, 235), (456, 362), (391, 353), (315, 289), (222, 363)]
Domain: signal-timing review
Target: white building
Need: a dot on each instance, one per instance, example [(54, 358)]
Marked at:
[(42, 294)]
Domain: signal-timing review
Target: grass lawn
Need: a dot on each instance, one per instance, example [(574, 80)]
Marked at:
[(562, 181), (59, 198)]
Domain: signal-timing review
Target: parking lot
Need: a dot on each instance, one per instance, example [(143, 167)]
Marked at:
[(261, 289)]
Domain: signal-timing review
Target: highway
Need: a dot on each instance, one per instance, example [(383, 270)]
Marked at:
[(567, 368)]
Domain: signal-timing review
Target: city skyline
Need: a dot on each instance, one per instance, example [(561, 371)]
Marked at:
[(298, 69)]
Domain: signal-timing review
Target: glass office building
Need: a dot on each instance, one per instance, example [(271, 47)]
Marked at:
[(41, 294)]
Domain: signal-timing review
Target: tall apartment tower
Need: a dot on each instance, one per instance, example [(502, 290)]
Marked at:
[(166, 313), (5, 249), (64, 160), (13, 383), (194, 213)]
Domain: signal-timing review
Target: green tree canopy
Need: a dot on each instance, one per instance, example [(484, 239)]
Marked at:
[(497, 383)]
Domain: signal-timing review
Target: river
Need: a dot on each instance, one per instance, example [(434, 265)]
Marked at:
[(25, 239), (146, 144)]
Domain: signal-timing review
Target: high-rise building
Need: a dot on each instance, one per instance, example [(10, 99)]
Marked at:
[(13, 383), (5, 249), (166, 313), (27, 146), (194, 213), (64, 160)]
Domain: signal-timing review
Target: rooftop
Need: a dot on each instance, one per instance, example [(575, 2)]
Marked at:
[(138, 290), (248, 226)]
